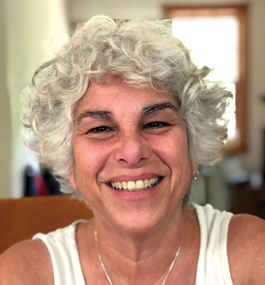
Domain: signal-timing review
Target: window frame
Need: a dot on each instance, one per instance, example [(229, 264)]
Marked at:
[(241, 86)]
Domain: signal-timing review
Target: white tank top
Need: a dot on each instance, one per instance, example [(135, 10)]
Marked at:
[(212, 268)]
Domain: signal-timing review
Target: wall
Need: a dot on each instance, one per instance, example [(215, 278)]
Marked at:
[(256, 109), (28, 29), (82, 10), (5, 119)]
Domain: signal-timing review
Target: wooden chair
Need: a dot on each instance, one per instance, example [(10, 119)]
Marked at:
[(20, 219)]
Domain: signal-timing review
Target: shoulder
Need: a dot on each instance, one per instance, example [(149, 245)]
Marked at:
[(27, 262), (246, 249)]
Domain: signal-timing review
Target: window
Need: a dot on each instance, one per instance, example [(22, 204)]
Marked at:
[(217, 37)]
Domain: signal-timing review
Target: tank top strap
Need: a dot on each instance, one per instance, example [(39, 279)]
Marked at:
[(62, 248), (213, 264)]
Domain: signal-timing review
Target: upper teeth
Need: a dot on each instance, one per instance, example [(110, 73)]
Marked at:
[(135, 185)]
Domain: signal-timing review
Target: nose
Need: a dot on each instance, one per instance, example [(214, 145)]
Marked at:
[(132, 149)]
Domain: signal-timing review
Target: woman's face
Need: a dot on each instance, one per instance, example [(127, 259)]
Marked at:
[(125, 137)]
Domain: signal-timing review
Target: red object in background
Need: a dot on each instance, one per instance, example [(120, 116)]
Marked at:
[(40, 186)]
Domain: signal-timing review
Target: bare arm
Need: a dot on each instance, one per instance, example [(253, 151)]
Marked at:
[(26, 263), (246, 250)]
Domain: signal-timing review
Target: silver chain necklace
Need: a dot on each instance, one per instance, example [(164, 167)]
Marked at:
[(107, 275)]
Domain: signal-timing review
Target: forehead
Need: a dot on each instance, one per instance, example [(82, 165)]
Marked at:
[(115, 91)]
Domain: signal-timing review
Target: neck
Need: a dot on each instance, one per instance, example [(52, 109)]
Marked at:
[(141, 258)]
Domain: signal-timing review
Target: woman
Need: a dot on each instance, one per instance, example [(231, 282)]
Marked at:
[(124, 118)]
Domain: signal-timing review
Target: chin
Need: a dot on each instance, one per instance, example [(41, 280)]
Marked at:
[(138, 221)]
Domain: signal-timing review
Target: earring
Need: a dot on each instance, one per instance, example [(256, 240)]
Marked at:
[(195, 177)]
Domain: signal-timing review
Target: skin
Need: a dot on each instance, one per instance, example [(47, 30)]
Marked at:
[(121, 134)]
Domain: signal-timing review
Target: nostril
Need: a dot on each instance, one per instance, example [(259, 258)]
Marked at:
[(132, 160), (131, 149), (143, 158)]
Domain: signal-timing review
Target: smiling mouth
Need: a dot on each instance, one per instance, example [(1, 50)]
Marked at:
[(134, 186)]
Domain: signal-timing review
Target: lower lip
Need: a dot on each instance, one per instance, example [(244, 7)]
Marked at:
[(137, 195)]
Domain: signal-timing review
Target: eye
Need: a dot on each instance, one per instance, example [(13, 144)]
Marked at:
[(100, 129), (156, 125)]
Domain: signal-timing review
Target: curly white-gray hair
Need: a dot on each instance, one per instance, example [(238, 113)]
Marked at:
[(144, 54)]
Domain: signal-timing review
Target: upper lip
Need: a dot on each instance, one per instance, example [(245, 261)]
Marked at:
[(127, 178)]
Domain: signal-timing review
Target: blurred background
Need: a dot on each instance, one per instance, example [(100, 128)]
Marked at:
[(228, 36)]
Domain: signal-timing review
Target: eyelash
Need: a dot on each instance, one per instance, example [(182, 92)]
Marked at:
[(155, 125), (100, 129), (151, 125)]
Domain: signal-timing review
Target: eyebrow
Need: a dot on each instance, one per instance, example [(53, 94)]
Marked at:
[(146, 111), (94, 114), (158, 107)]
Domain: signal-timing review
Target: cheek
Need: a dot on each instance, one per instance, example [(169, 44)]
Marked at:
[(173, 145), (173, 151), (90, 158)]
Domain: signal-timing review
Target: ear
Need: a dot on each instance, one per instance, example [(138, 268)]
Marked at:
[(71, 177)]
